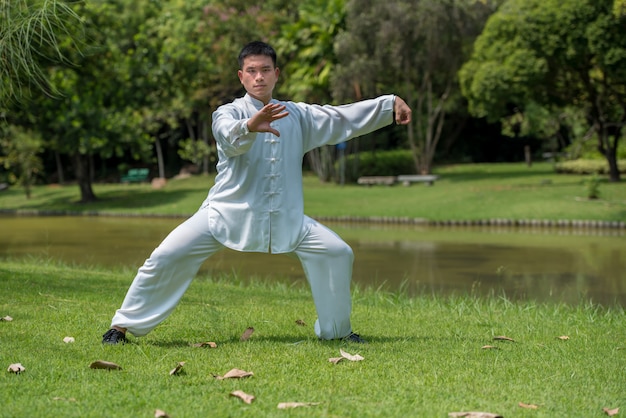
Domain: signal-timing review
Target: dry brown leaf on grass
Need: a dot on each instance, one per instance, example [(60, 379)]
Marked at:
[(345, 356), (611, 412), (160, 414), (177, 369), (289, 405), (474, 415), (59, 398), (235, 374), (209, 344), (503, 338), (351, 357), (563, 337), (246, 334), (6, 319), (101, 364), (243, 396), (527, 405), (16, 368), (68, 340), (300, 322), (490, 347)]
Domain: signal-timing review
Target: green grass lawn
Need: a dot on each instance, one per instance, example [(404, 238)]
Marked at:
[(463, 192), (425, 356)]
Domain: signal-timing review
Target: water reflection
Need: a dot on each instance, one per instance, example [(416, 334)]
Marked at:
[(544, 265)]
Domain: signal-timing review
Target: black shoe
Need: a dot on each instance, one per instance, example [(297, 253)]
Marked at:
[(113, 337), (354, 338)]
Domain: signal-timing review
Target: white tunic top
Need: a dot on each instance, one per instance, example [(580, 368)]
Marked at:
[(257, 201)]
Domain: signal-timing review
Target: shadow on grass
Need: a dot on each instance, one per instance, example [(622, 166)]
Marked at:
[(118, 199), (297, 339)]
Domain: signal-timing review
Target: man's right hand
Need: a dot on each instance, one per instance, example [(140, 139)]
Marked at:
[(261, 120)]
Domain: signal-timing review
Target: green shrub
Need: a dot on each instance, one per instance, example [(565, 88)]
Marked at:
[(588, 149), (585, 166), (593, 187), (378, 163)]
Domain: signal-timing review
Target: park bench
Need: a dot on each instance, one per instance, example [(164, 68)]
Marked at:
[(406, 180), (136, 175), (372, 180)]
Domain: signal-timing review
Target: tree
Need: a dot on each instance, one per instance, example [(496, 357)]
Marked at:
[(197, 43), (30, 37), (20, 156), (553, 54), (414, 48), (306, 45), (98, 110)]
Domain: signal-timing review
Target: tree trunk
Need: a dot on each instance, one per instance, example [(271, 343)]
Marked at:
[(57, 158), (81, 168), (528, 155), (159, 153), (608, 148), (614, 174)]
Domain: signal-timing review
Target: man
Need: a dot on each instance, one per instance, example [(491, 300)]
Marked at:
[(256, 203)]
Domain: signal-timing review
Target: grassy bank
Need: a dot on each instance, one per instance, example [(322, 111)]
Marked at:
[(463, 192), (425, 357)]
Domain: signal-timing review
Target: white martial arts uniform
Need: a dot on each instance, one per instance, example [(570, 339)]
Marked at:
[(257, 205)]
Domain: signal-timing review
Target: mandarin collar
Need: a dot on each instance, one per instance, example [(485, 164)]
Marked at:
[(257, 103)]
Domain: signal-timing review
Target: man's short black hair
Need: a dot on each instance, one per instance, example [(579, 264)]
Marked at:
[(257, 48)]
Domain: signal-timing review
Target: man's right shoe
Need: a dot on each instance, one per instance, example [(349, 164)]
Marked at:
[(354, 338), (113, 337)]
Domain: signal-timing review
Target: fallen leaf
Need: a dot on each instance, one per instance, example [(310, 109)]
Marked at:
[(345, 356), (527, 405), (503, 338), (611, 412), (243, 396), (160, 414), (6, 319), (101, 364), (16, 368), (246, 334), (563, 337), (351, 357), (490, 347), (68, 339), (59, 398), (177, 369), (235, 374), (288, 405), (300, 322), (474, 415), (209, 344)]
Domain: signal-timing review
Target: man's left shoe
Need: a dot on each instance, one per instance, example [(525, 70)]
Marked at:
[(354, 338), (113, 337)]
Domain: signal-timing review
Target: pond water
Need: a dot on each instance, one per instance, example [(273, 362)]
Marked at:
[(546, 265)]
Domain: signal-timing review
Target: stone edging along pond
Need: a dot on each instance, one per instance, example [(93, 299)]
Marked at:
[(536, 223)]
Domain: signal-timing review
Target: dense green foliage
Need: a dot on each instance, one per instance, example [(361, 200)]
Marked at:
[(137, 80), (536, 60)]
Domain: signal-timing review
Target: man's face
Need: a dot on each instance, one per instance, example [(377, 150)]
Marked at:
[(259, 76)]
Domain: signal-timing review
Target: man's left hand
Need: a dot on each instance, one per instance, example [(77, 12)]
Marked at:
[(402, 111)]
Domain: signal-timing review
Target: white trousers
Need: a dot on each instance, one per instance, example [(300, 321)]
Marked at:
[(164, 277)]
